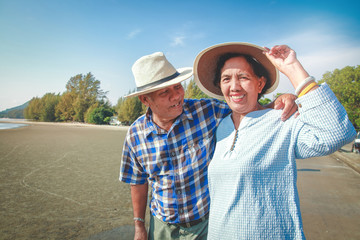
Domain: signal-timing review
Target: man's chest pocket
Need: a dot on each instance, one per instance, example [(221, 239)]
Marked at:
[(157, 164), (196, 152)]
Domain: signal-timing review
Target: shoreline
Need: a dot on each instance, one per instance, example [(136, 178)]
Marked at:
[(70, 124)]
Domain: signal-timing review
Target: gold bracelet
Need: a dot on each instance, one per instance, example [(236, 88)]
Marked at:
[(307, 89)]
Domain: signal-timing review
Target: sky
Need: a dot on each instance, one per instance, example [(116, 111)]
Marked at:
[(43, 43)]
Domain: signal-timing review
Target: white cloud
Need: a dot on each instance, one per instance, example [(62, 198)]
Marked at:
[(320, 50), (178, 41), (134, 33)]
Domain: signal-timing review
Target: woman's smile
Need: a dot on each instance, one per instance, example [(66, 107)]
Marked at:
[(237, 98)]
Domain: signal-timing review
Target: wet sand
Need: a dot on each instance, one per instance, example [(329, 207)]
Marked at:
[(60, 181)]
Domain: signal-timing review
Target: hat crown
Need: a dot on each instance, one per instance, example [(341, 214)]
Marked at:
[(152, 68)]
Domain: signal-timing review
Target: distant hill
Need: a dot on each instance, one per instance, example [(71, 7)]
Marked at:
[(15, 112)]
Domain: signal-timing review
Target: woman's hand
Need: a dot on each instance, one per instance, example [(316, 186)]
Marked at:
[(282, 56), (285, 60)]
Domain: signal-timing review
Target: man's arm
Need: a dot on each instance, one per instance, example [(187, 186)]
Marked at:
[(139, 195), (286, 102)]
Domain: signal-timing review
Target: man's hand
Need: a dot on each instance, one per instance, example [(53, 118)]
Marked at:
[(139, 200), (140, 231), (286, 102)]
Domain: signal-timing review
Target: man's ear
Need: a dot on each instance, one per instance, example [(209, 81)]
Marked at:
[(144, 99)]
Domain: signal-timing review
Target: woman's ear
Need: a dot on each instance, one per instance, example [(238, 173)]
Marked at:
[(262, 82)]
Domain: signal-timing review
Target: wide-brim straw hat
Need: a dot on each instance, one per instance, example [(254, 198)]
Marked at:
[(154, 72), (206, 61)]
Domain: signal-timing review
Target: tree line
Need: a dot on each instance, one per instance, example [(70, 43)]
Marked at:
[(84, 101)]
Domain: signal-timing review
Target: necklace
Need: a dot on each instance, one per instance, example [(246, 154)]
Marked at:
[(235, 138)]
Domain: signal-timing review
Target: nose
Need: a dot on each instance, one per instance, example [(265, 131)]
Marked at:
[(176, 94), (235, 84)]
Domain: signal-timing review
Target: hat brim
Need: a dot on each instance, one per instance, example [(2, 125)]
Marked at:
[(184, 73), (205, 65)]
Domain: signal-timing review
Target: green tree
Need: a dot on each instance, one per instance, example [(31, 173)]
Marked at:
[(64, 110), (34, 109), (118, 104), (264, 101), (129, 109), (48, 104), (42, 109), (345, 83), (86, 91), (193, 91), (99, 113)]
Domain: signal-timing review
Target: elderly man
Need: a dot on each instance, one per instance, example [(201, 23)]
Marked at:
[(170, 148)]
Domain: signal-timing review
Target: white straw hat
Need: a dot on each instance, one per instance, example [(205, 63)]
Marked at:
[(206, 61), (153, 72)]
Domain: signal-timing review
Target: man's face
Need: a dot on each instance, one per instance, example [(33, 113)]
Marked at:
[(166, 104)]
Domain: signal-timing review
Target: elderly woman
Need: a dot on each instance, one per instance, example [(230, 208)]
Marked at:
[(252, 175)]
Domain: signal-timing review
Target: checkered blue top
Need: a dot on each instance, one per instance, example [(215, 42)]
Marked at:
[(174, 162)]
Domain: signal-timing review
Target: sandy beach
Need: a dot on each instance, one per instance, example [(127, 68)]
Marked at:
[(60, 181)]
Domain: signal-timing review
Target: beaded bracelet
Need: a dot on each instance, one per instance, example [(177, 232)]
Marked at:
[(302, 84), (307, 89)]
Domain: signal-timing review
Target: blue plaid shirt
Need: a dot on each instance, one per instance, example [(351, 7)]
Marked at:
[(174, 162)]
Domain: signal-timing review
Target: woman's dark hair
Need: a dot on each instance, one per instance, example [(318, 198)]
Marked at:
[(258, 69)]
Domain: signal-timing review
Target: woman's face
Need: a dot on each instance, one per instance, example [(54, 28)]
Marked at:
[(240, 86)]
